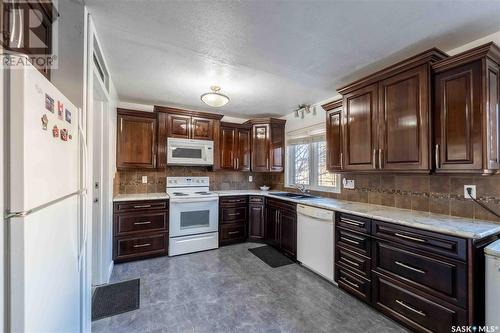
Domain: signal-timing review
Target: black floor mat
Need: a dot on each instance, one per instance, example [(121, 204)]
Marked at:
[(271, 256), (115, 298)]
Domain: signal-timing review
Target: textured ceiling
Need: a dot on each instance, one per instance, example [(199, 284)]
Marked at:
[(269, 56)]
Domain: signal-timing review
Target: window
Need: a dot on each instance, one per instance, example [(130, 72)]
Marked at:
[(306, 165)]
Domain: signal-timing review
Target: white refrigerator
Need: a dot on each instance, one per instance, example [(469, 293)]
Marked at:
[(45, 205)]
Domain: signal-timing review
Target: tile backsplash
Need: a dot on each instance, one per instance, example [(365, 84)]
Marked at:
[(428, 193), (131, 181), (442, 194)]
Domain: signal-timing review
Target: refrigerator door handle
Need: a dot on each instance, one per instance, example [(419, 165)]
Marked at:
[(81, 243), (9, 215)]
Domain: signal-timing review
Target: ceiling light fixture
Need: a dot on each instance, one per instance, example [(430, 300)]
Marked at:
[(214, 98)]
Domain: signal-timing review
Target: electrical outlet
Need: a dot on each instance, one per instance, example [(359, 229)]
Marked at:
[(348, 183), (250, 178), (144, 179), (473, 191)]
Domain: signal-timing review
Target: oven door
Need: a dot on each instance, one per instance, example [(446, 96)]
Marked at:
[(189, 152), (191, 216)]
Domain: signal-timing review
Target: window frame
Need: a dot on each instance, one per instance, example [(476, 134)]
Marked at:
[(313, 170)]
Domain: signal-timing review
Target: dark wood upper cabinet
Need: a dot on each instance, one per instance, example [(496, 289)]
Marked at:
[(360, 128), (202, 128), (268, 144), (404, 121), (466, 104), (234, 147), (227, 147), (136, 140), (185, 124), (244, 143), (386, 119), (178, 126), (334, 155)]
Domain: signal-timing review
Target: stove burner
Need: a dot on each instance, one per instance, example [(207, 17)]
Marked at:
[(203, 193), (179, 194)]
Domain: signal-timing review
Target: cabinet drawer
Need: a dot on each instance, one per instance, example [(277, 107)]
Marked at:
[(233, 201), (356, 223), (449, 246), (414, 309), (354, 284), (129, 206), (447, 279), (127, 248), (233, 214), (256, 199), (353, 261), (229, 232), (353, 241), (145, 221)]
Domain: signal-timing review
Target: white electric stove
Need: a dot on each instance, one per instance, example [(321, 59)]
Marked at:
[(193, 217)]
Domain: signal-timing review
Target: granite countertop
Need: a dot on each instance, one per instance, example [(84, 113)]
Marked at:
[(456, 226), (140, 196), (493, 249)]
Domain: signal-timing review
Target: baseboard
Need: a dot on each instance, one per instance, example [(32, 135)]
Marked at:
[(110, 270)]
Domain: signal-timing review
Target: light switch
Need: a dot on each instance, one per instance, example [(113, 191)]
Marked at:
[(348, 183), (250, 178), (144, 179)]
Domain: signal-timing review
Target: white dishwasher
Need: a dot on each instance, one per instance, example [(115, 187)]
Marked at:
[(315, 239)]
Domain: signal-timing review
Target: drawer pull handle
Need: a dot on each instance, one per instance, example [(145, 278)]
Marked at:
[(142, 245), (352, 284), (144, 222), (421, 271), (411, 238), (233, 214), (352, 222), (403, 304), (142, 206), (349, 261), (233, 232), (350, 241)]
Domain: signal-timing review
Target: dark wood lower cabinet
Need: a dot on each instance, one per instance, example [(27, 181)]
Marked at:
[(233, 219), (140, 229), (256, 219), (425, 280), (281, 226)]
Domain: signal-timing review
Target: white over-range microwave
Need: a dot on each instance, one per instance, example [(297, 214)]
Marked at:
[(189, 152)]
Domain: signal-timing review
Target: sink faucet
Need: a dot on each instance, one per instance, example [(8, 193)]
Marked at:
[(301, 188)]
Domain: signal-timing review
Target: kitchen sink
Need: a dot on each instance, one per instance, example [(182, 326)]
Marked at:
[(293, 195)]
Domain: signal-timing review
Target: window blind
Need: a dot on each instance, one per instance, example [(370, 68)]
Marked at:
[(309, 134)]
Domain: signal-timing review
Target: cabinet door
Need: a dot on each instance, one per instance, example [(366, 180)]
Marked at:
[(404, 121), (202, 128), (243, 152), (136, 142), (178, 126), (161, 151), (458, 142), (271, 232), (256, 222), (227, 148), (260, 147), (277, 148), (334, 154), (359, 116), (288, 232)]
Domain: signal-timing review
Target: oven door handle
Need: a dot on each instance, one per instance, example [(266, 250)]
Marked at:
[(189, 200)]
